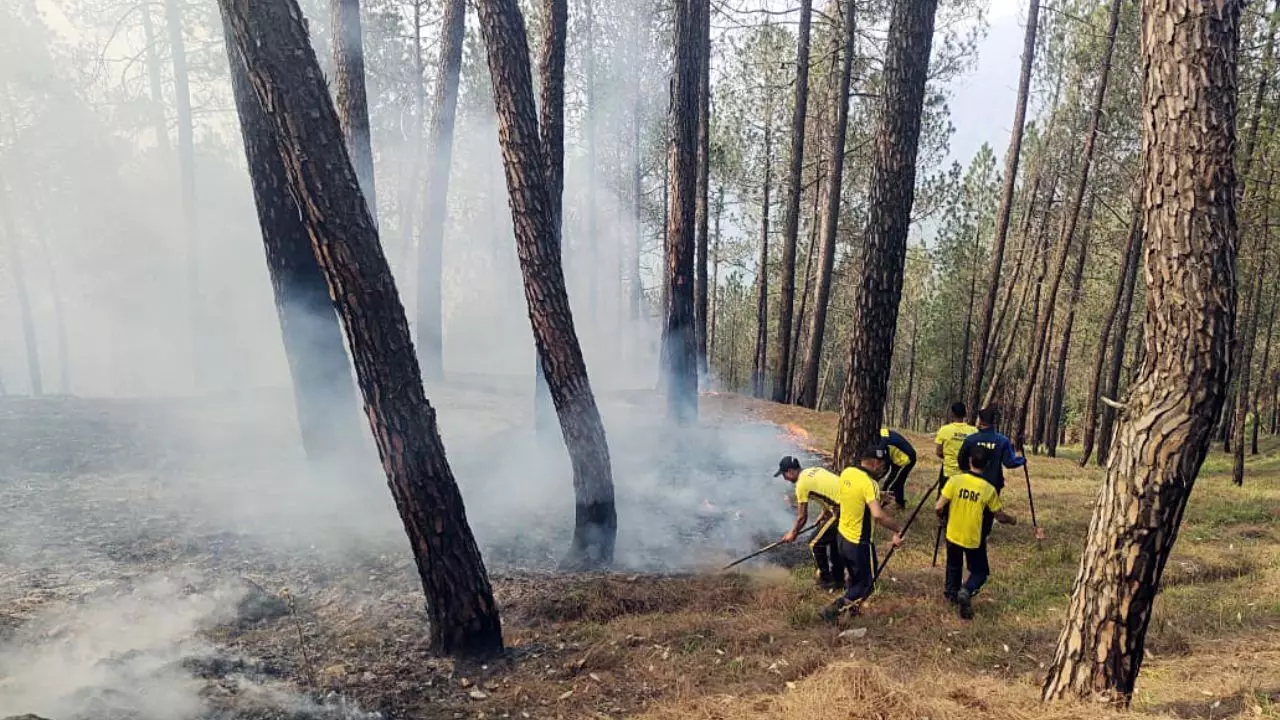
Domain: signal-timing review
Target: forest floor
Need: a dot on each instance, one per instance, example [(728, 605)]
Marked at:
[(112, 614)]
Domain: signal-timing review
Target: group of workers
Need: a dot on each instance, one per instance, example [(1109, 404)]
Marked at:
[(968, 503)]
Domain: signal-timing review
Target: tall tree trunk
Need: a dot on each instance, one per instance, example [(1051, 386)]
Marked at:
[(700, 202), (892, 183), (1059, 387), (18, 274), (323, 393), (1262, 379), (968, 315), (187, 179), (640, 40), (808, 393), (589, 123), (435, 211), (791, 219), (759, 375), (797, 335), (665, 298), (407, 203), (285, 77), (911, 372), (1189, 53), (1124, 289), (156, 109), (1112, 390), (680, 361), (1011, 159), (555, 23), (1069, 226), (353, 105), (715, 270), (1248, 340), (538, 246)]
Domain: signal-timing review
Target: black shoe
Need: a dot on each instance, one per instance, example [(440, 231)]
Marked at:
[(950, 597), (831, 585), (965, 600)]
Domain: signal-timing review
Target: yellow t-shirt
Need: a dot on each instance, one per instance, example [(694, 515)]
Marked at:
[(857, 492), (951, 436), (970, 495), (896, 456), (818, 484)]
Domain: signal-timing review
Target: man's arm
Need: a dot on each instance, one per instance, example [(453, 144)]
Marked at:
[(962, 458), (882, 518), (937, 449), (941, 507), (1012, 459), (802, 516)]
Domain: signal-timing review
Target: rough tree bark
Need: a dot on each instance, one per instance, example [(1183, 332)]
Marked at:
[(679, 351), (286, 78), (1059, 386), (1069, 225), (353, 105), (791, 219), (435, 210), (1128, 276), (808, 392), (323, 393), (1011, 159), (555, 23), (538, 246), (700, 202), (760, 368), (1189, 51), (892, 182)]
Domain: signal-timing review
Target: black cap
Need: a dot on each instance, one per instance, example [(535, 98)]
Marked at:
[(787, 463), (877, 450)]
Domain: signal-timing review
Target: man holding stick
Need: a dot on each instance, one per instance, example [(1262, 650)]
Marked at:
[(823, 487)]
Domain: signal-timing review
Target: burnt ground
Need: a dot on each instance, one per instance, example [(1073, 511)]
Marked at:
[(165, 559)]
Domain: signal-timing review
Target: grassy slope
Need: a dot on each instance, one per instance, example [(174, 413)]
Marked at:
[(750, 645)]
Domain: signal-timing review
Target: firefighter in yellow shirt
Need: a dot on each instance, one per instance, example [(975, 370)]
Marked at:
[(823, 487), (859, 505), (950, 438), (965, 498)]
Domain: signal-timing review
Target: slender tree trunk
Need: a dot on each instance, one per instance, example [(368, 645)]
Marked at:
[(892, 183), (538, 246), (407, 203), (715, 269), (665, 298), (1064, 349), (589, 126), (1262, 380), (808, 393), (187, 179), (435, 211), (1249, 337), (968, 315), (1112, 390), (640, 36), (18, 275), (700, 202), (911, 372), (679, 342), (154, 83), (797, 336), (1011, 159), (791, 219), (555, 23), (353, 105), (1124, 288), (1073, 215), (1189, 53), (759, 376), (283, 72), (323, 393)]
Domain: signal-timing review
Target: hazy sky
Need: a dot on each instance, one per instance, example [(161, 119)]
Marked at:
[(982, 102)]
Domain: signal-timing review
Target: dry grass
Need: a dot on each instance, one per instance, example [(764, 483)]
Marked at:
[(751, 645)]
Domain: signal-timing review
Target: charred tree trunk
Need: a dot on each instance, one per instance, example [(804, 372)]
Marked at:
[(323, 393), (1069, 226), (353, 105), (538, 246), (759, 376), (1124, 289), (700, 206), (679, 341), (1188, 137), (555, 23), (791, 220), (286, 79), (808, 392), (187, 178), (1011, 159), (892, 182), (435, 212)]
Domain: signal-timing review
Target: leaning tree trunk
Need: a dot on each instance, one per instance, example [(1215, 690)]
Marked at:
[(285, 77), (700, 202), (323, 393), (1011, 159), (680, 366), (1069, 226), (1189, 53), (760, 368), (808, 393), (187, 180), (892, 182), (1128, 275), (1059, 386), (435, 209), (1244, 374), (555, 23), (18, 274), (538, 245), (791, 220), (353, 105)]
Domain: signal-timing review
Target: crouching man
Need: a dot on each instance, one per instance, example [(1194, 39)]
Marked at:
[(823, 487), (859, 505)]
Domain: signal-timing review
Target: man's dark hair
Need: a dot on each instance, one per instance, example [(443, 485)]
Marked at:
[(958, 410), (979, 456), (989, 416)]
